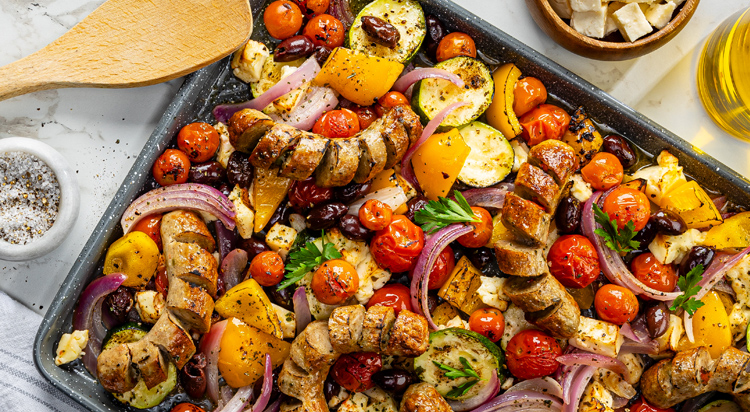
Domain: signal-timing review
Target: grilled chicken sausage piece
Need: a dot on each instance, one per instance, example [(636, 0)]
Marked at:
[(546, 302), (692, 372), (423, 397), (556, 158), (528, 222), (520, 260), (534, 184)]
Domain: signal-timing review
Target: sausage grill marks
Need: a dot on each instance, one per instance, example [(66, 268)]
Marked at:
[(527, 213), (192, 273)]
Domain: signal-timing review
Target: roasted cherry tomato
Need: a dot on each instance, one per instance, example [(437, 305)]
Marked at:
[(313, 7), (172, 167), (532, 354), (641, 405), (335, 281), (603, 172), (161, 281), (199, 141), (653, 273), (151, 225), (397, 247), (306, 194), (366, 116), (544, 122), (573, 261), (455, 44), (488, 322), (390, 100), (528, 94), (441, 270), (624, 204), (354, 371), (325, 30), (267, 268), (395, 295), (337, 123), (481, 232), (187, 407), (375, 215), (615, 304), (283, 19)]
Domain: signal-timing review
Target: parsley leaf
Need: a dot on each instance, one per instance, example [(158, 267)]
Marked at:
[(440, 213), (619, 240), (453, 373), (461, 390), (689, 285), (306, 259)]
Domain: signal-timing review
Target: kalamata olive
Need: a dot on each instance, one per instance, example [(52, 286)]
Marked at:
[(330, 388), (281, 215), (416, 203), (281, 297), (568, 216), (275, 386), (209, 173), (254, 247), (646, 235), (393, 380), (224, 189), (668, 223), (352, 228), (589, 313), (193, 376), (351, 192), (481, 257), (435, 33), (325, 216), (617, 146), (119, 303), (239, 170), (293, 48), (381, 31), (321, 54), (698, 255), (306, 194), (657, 319)]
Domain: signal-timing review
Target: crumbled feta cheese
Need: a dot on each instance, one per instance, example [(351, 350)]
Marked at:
[(591, 22), (150, 305), (280, 239), (244, 216), (225, 148), (521, 151), (380, 401), (659, 14), (456, 322), (580, 189), (662, 178), (585, 5), (491, 292), (632, 22), (356, 403), (288, 321), (247, 62), (515, 322), (597, 336), (562, 8), (71, 346), (610, 26), (672, 249), (739, 278), (596, 398)]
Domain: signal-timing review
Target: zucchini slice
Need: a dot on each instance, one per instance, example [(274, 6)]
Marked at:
[(447, 347), (433, 95), (491, 156), (141, 397), (127, 333), (408, 18), (721, 405)]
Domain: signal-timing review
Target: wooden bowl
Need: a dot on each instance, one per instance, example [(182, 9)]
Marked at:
[(566, 36)]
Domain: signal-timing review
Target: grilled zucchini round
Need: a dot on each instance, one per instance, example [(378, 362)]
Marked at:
[(491, 156), (405, 15)]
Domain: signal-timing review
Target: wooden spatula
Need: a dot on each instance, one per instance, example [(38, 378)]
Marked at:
[(130, 43)]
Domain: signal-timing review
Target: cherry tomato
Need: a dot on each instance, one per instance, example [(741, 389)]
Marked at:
[(335, 281), (481, 232), (488, 322), (455, 44), (528, 93), (653, 273), (395, 295), (625, 204), (283, 19), (532, 354), (375, 215), (389, 101), (151, 225), (544, 122), (267, 268), (199, 141), (641, 405), (615, 304), (573, 261), (603, 172), (337, 123), (161, 280), (306, 194), (313, 7), (397, 247), (325, 30), (441, 270), (366, 116), (354, 371), (187, 407), (172, 167)]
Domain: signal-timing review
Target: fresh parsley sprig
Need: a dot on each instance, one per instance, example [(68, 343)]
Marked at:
[(440, 213), (688, 284), (453, 373), (619, 240), (306, 259)]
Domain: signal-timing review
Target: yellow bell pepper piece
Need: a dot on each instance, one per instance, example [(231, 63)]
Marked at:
[(249, 303), (359, 77), (711, 325), (136, 255), (499, 231), (734, 233), (438, 162), (242, 354), (500, 114), (693, 204), (269, 189), (389, 178)]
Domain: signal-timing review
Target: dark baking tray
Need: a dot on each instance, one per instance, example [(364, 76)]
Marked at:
[(215, 84)]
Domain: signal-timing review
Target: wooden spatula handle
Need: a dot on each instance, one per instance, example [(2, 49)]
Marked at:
[(23, 76)]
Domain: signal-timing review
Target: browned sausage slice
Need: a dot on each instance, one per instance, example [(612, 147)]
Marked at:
[(190, 304), (192, 263), (556, 158), (373, 154), (528, 222), (376, 328), (533, 184), (339, 164), (273, 145), (172, 338), (423, 397), (345, 328), (312, 349), (186, 227), (409, 336), (150, 362), (534, 294), (561, 319), (305, 157), (246, 127), (113, 368), (520, 260)]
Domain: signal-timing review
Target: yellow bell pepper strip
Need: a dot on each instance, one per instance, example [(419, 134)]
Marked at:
[(438, 162), (500, 114), (734, 233), (136, 255), (693, 204), (711, 326), (243, 353), (249, 303), (269, 189)]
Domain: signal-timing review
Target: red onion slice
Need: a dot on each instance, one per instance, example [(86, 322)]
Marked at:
[(427, 258), (267, 388), (487, 197), (210, 347), (232, 267), (716, 270), (341, 10), (489, 391), (581, 379), (275, 406), (687, 322), (392, 196), (315, 102), (239, 400), (647, 348), (599, 361), (521, 401), (545, 385), (301, 309), (87, 315), (627, 331), (421, 73), (226, 240)]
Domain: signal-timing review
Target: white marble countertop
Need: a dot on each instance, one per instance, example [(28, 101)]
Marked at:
[(101, 132)]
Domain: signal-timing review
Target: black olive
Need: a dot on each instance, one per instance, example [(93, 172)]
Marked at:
[(393, 380), (352, 191), (239, 170), (657, 319), (330, 388), (568, 216), (352, 228), (119, 303), (253, 247), (193, 376), (325, 216), (698, 255), (208, 173), (668, 223), (617, 146)]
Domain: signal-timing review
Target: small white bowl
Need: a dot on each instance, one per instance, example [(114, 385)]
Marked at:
[(70, 200)]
